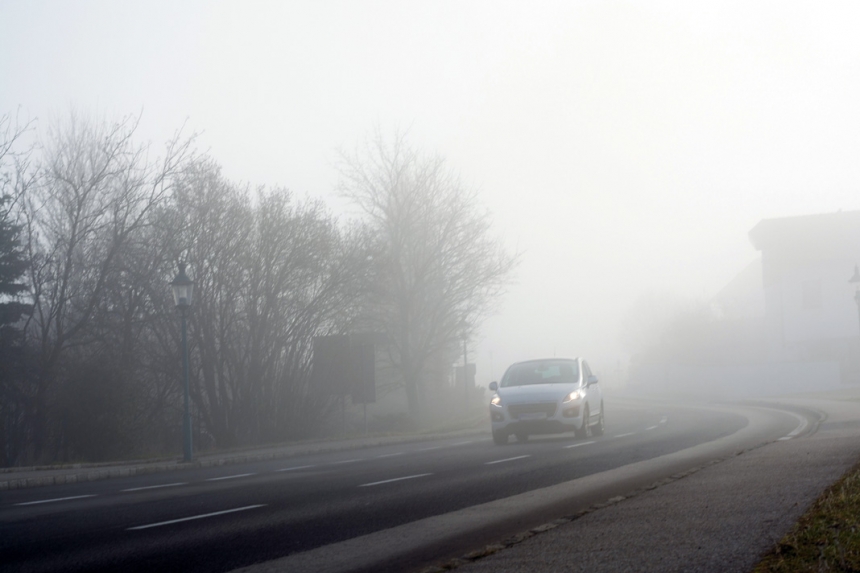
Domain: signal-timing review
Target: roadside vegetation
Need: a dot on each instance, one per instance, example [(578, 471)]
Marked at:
[(827, 537), (93, 225)]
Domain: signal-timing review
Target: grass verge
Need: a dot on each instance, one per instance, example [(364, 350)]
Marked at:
[(826, 537)]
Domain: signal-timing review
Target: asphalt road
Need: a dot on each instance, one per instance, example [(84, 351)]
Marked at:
[(218, 519)]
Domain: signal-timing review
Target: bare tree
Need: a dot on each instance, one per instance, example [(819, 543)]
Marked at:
[(438, 269), (270, 275), (94, 192)]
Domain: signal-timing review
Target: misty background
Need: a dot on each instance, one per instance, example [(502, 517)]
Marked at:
[(625, 150)]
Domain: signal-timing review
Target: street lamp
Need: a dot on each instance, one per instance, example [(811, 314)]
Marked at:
[(183, 288), (464, 326)]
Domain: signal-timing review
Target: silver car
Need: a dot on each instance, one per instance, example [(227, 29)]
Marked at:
[(547, 396)]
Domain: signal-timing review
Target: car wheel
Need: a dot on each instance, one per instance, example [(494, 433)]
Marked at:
[(500, 438), (522, 437), (601, 425), (585, 430)]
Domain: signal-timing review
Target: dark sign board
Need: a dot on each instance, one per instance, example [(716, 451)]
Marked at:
[(330, 372), (363, 373), (341, 366)]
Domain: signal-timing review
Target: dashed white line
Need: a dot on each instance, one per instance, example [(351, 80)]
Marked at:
[(160, 523), (155, 486), (346, 461), (389, 455), (294, 468), (664, 419), (625, 435), (463, 443), (230, 477), (56, 499), (395, 479), (430, 448), (651, 428), (577, 445), (507, 460)]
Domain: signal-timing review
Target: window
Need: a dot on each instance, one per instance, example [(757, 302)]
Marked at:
[(541, 372)]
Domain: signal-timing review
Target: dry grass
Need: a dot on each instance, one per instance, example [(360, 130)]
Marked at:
[(827, 537)]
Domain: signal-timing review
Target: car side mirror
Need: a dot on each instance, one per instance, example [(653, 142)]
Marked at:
[(494, 386), (592, 380)]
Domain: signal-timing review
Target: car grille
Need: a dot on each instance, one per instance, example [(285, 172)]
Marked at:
[(548, 408)]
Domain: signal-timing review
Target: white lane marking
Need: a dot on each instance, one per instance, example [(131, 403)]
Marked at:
[(389, 455), (294, 468), (155, 486), (651, 428), (577, 445), (664, 419), (230, 477), (346, 461), (798, 429), (507, 460), (395, 479), (784, 438), (625, 435), (428, 449), (463, 443), (56, 499), (180, 520)]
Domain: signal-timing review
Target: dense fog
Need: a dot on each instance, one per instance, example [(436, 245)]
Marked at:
[(614, 159)]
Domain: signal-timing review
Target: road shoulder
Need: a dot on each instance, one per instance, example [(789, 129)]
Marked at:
[(721, 518)]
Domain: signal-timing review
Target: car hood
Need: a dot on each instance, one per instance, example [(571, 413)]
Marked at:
[(535, 393)]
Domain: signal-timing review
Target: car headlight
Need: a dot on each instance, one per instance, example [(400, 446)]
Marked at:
[(496, 401), (575, 395)]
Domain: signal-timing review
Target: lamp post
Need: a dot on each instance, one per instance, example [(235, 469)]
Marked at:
[(464, 326), (183, 288)]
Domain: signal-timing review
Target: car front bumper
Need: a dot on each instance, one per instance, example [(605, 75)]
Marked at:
[(537, 418)]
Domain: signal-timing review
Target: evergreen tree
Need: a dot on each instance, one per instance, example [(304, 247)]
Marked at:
[(13, 264)]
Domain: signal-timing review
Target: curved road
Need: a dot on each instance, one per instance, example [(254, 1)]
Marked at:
[(390, 507)]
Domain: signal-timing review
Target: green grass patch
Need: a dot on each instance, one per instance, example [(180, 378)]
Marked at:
[(826, 537)]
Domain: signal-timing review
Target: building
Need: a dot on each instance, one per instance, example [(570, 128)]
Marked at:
[(787, 323), (810, 316)]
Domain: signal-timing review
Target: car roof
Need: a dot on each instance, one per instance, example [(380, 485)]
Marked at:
[(546, 359)]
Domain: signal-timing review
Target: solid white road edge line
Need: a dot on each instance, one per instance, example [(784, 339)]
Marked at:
[(230, 477), (56, 499), (346, 461), (389, 455), (395, 479), (463, 443), (797, 430), (577, 445), (180, 520), (155, 486), (507, 460), (294, 468)]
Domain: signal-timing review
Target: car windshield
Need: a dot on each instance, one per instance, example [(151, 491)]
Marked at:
[(541, 372)]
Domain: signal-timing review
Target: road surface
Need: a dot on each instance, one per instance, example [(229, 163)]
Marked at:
[(222, 518)]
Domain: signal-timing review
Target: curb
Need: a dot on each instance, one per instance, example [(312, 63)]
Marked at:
[(86, 475)]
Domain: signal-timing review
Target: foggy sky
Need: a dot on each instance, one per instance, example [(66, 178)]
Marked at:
[(622, 147)]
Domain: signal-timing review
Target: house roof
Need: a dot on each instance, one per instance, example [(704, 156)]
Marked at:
[(823, 230)]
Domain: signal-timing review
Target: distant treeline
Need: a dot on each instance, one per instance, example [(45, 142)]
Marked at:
[(92, 228)]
